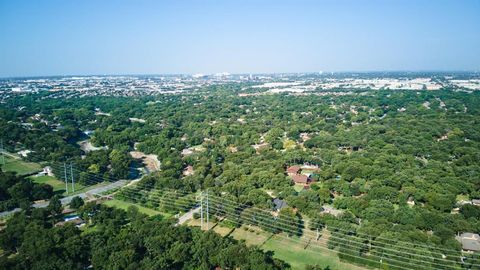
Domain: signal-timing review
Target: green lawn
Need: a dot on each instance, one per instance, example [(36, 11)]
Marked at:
[(298, 187), (124, 205), (59, 185), (292, 250), (251, 234), (463, 197), (50, 180), (19, 166)]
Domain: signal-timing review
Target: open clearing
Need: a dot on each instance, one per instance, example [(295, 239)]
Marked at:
[(292, 250), (223, 231), (251, 234), (59, 185), (50, 180), (124, 205), (151, 161), (19, 166)]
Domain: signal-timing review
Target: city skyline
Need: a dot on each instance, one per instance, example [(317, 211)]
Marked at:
[(56, 38)]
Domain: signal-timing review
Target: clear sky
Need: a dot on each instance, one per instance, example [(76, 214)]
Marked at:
[(244, 36)]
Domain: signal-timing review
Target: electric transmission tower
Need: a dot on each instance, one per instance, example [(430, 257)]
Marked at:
[(66, 178), (208, 227), (201, 210), (71, 175), (204, 207)]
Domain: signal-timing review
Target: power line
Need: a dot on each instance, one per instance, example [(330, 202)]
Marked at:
[(326, 248), (243, 207), (285, 223), (378, 247), (371, 241)]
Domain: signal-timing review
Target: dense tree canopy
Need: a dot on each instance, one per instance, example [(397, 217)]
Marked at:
[(395, 164)]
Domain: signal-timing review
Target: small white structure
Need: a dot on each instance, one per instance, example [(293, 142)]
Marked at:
[(24, 153), (46, 171)]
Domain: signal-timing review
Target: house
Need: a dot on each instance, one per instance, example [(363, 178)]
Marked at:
[(476, 202), (46, 171), (300, 179), (279, 204), (293, 170), (469, 241)]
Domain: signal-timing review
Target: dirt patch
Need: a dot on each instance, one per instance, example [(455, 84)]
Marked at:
[(151, 161), (87, 146)]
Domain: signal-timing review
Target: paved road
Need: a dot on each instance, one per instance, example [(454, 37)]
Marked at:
[(187, 216), (66, 200)]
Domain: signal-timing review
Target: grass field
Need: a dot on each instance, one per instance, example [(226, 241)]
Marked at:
[(124, 205), (296, 251), (50, 180), (19, 166), (59, 185), (223, 231), (292, 250), (251, 234)]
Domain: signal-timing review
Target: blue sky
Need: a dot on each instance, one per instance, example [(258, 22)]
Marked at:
[(180, 36)]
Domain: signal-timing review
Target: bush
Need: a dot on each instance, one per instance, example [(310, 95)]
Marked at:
[(76, 202)]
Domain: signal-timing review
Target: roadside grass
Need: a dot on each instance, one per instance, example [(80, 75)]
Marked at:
[(124, 205), (19, 166)]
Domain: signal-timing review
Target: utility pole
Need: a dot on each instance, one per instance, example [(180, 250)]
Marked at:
[(201, 210), (318, 235), (66, 179), (71, 175), (208, 228)]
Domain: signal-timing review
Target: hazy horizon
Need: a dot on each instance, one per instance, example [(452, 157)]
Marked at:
[(58, 38)]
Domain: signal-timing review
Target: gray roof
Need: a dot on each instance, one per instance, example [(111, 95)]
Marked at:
[(279, 204), (470, 241)]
